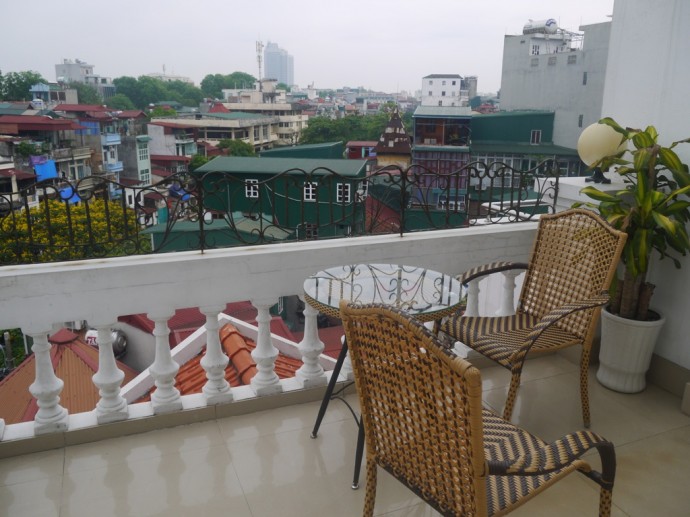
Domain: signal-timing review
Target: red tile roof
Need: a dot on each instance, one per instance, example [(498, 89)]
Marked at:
[(20, 175), (171, 124), (191, 376), (81, 108), (130, 114), (14, 123), (218, 107), (74, 361)]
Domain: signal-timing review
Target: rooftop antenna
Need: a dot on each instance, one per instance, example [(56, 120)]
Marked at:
[(259, 52)]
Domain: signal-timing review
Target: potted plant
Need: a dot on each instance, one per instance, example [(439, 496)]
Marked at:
[(653, 209)]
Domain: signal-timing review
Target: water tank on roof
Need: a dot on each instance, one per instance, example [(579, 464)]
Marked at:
[(549, 26), (119, 341)]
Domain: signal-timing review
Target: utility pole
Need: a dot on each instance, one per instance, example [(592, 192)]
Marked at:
[(259, 56)]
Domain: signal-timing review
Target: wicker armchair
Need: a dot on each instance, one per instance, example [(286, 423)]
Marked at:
[(424, 423), (572, 264)]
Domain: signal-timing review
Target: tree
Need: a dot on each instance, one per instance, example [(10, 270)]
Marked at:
[(323, 129), (213, 84), (120, 102), (283, 86), (161, 111), (62, 231), (237, 147), (86, 93), (197, 161), (15, 86)]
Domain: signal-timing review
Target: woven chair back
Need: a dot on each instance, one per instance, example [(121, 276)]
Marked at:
[(421, 408), (574, 257)]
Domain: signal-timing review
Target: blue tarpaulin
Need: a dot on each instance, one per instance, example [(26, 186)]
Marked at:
[(70, 195), (179, 192), (46, 170)]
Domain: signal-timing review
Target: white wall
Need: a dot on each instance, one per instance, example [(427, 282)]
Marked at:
[(647, 84)]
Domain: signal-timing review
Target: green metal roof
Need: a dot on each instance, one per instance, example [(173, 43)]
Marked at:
[(326, 150), (273, 166), (240, 224), (518, 148), (516, 113), (443, 111)]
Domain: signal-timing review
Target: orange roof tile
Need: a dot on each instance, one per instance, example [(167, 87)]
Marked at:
[(74, 361), (241, 368)]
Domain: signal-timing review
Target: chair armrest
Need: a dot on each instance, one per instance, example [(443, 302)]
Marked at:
[(558, 455), (566, 310), (488, 269)]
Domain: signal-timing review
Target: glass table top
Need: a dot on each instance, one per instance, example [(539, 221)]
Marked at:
[(423, 293)]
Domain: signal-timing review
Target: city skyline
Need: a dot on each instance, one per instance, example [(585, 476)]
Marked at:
[(384, 46)]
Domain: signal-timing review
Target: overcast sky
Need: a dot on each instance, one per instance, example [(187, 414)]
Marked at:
[(386, 45)]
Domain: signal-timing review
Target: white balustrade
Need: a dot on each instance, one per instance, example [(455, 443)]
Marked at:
[(311, 373), (166, 398), (216, 390), (472, 298), (51, 416), (37, 297), (507, 307), (266, 381), (346, 370), (112, 406)]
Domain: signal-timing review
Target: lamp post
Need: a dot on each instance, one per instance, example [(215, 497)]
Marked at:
[(598, 141)]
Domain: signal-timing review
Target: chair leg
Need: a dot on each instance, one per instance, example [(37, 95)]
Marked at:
[(370, 497), (584, 386), (512, 394), (358, 454), (605, 502)]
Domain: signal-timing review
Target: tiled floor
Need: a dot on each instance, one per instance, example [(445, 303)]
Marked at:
[(265, 464)]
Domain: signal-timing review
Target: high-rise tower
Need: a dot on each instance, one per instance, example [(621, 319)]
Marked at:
[(278, 64)]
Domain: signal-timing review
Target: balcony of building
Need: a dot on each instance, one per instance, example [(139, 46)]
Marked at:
[(251, 454), (110, 139), (247, 450), (113, 167)]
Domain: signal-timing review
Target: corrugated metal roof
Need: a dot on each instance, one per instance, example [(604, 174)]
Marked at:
[(441, 76), (273, 166), (442, 148), (518, 148), (443, 111)]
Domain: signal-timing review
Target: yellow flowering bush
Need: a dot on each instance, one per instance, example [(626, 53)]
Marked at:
[(56, 230)]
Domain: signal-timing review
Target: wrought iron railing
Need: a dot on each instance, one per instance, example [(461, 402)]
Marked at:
[(98, 217)]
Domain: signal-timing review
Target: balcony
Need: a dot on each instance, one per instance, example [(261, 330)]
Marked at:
[(110, 139), (113, 166), (253, 455)]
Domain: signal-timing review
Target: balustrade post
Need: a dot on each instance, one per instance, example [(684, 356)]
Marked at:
[(346, 370), (472, 298), (507, 307), (216, 390), (266, 381), (311, 372), (46, 388), (166, 398), (112, 406)]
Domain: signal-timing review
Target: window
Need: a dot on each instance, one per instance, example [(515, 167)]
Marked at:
[(431, 82), (310, 191), (145, 176), (552, 60), (311, 231), (453, 83), (535, 50), (251, 189), (362, 189), (572, 59), (452, 94), (344, 193), (579, 121), (535, 137), (265, 132), (443, 94), (256, 133), (430, 94), (440, 103), (443, 83), (584, 78), (535, 61), (143, 153)]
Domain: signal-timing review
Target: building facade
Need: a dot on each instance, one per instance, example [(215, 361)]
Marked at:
[(79, 71), (278, 64), (557, 71)]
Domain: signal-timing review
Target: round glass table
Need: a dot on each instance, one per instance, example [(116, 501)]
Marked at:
[(425, 294)]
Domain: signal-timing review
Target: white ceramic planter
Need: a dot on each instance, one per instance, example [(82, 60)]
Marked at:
[(626, 351)]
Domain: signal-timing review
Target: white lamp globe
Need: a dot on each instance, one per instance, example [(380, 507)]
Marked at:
[(598, 141)]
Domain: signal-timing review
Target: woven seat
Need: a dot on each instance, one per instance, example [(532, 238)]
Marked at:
[(424, 424), (572, 264)]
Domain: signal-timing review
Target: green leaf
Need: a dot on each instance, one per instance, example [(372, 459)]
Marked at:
[(642, 140), (664, 222), (617, 127), (640, 159), (670, 159), (597, 194)]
